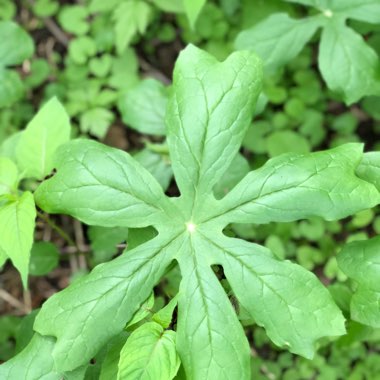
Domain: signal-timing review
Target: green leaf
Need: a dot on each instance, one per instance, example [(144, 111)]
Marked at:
[(319, 4), (82, 48), (149, 353), (104, 240), (363, 10), (110, 363), (143, 312), (11, 87), (17, 220), (328, 178), (49, 129), (360, 261), (280, 142), (89, 174), (73, 19), (369, 168), (16, 44), (193, 9), (349, 66), (278, 39), (295, 309), (96, 308), (8, 176), (33, 363), (203, 144), (44, 257), (131, 17), (164, 317), (96, 121), (143, 107), (104, 186), (157, 164), (170, 5), (234, 174), (210, 341)]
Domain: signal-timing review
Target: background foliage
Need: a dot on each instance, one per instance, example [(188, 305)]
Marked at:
[(110, 64)]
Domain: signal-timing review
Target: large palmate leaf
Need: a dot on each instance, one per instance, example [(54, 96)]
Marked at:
[(361, 262), (350, 67), (106, 187)]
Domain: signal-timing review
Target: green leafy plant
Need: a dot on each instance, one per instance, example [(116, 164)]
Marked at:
[(28, 154), (360, 260), (349, 66), (106, 187), (16, 46)]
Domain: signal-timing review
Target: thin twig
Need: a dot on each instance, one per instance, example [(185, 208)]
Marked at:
[(54, 29), (79, 239), (58, 229), (13, 301)]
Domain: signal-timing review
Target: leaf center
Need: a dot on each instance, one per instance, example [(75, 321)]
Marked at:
[(191, 227)]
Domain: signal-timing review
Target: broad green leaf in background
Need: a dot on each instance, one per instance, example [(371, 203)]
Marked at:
[(170, 5), (11, 87), (17, 220), (49, 129), (104, 240), (192, 9), (157, 164), (106, 187), (143, 107), (350, 67), (278, 39), (363, 10), (96, 121), (16, 44), (360, 261), (73, 19), (131, 17), (33, 363), (149, 353), (8, 176), (369, 168), (44, 257), (355, 71)]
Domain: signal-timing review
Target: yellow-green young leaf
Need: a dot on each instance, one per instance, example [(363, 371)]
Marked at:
[(8, 176), (149, 353), (192, 9), (49, 129), (361, 262), (165, 315), (17, 221), (349, 66)]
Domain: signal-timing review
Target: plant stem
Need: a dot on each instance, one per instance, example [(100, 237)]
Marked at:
[(58, 229)]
